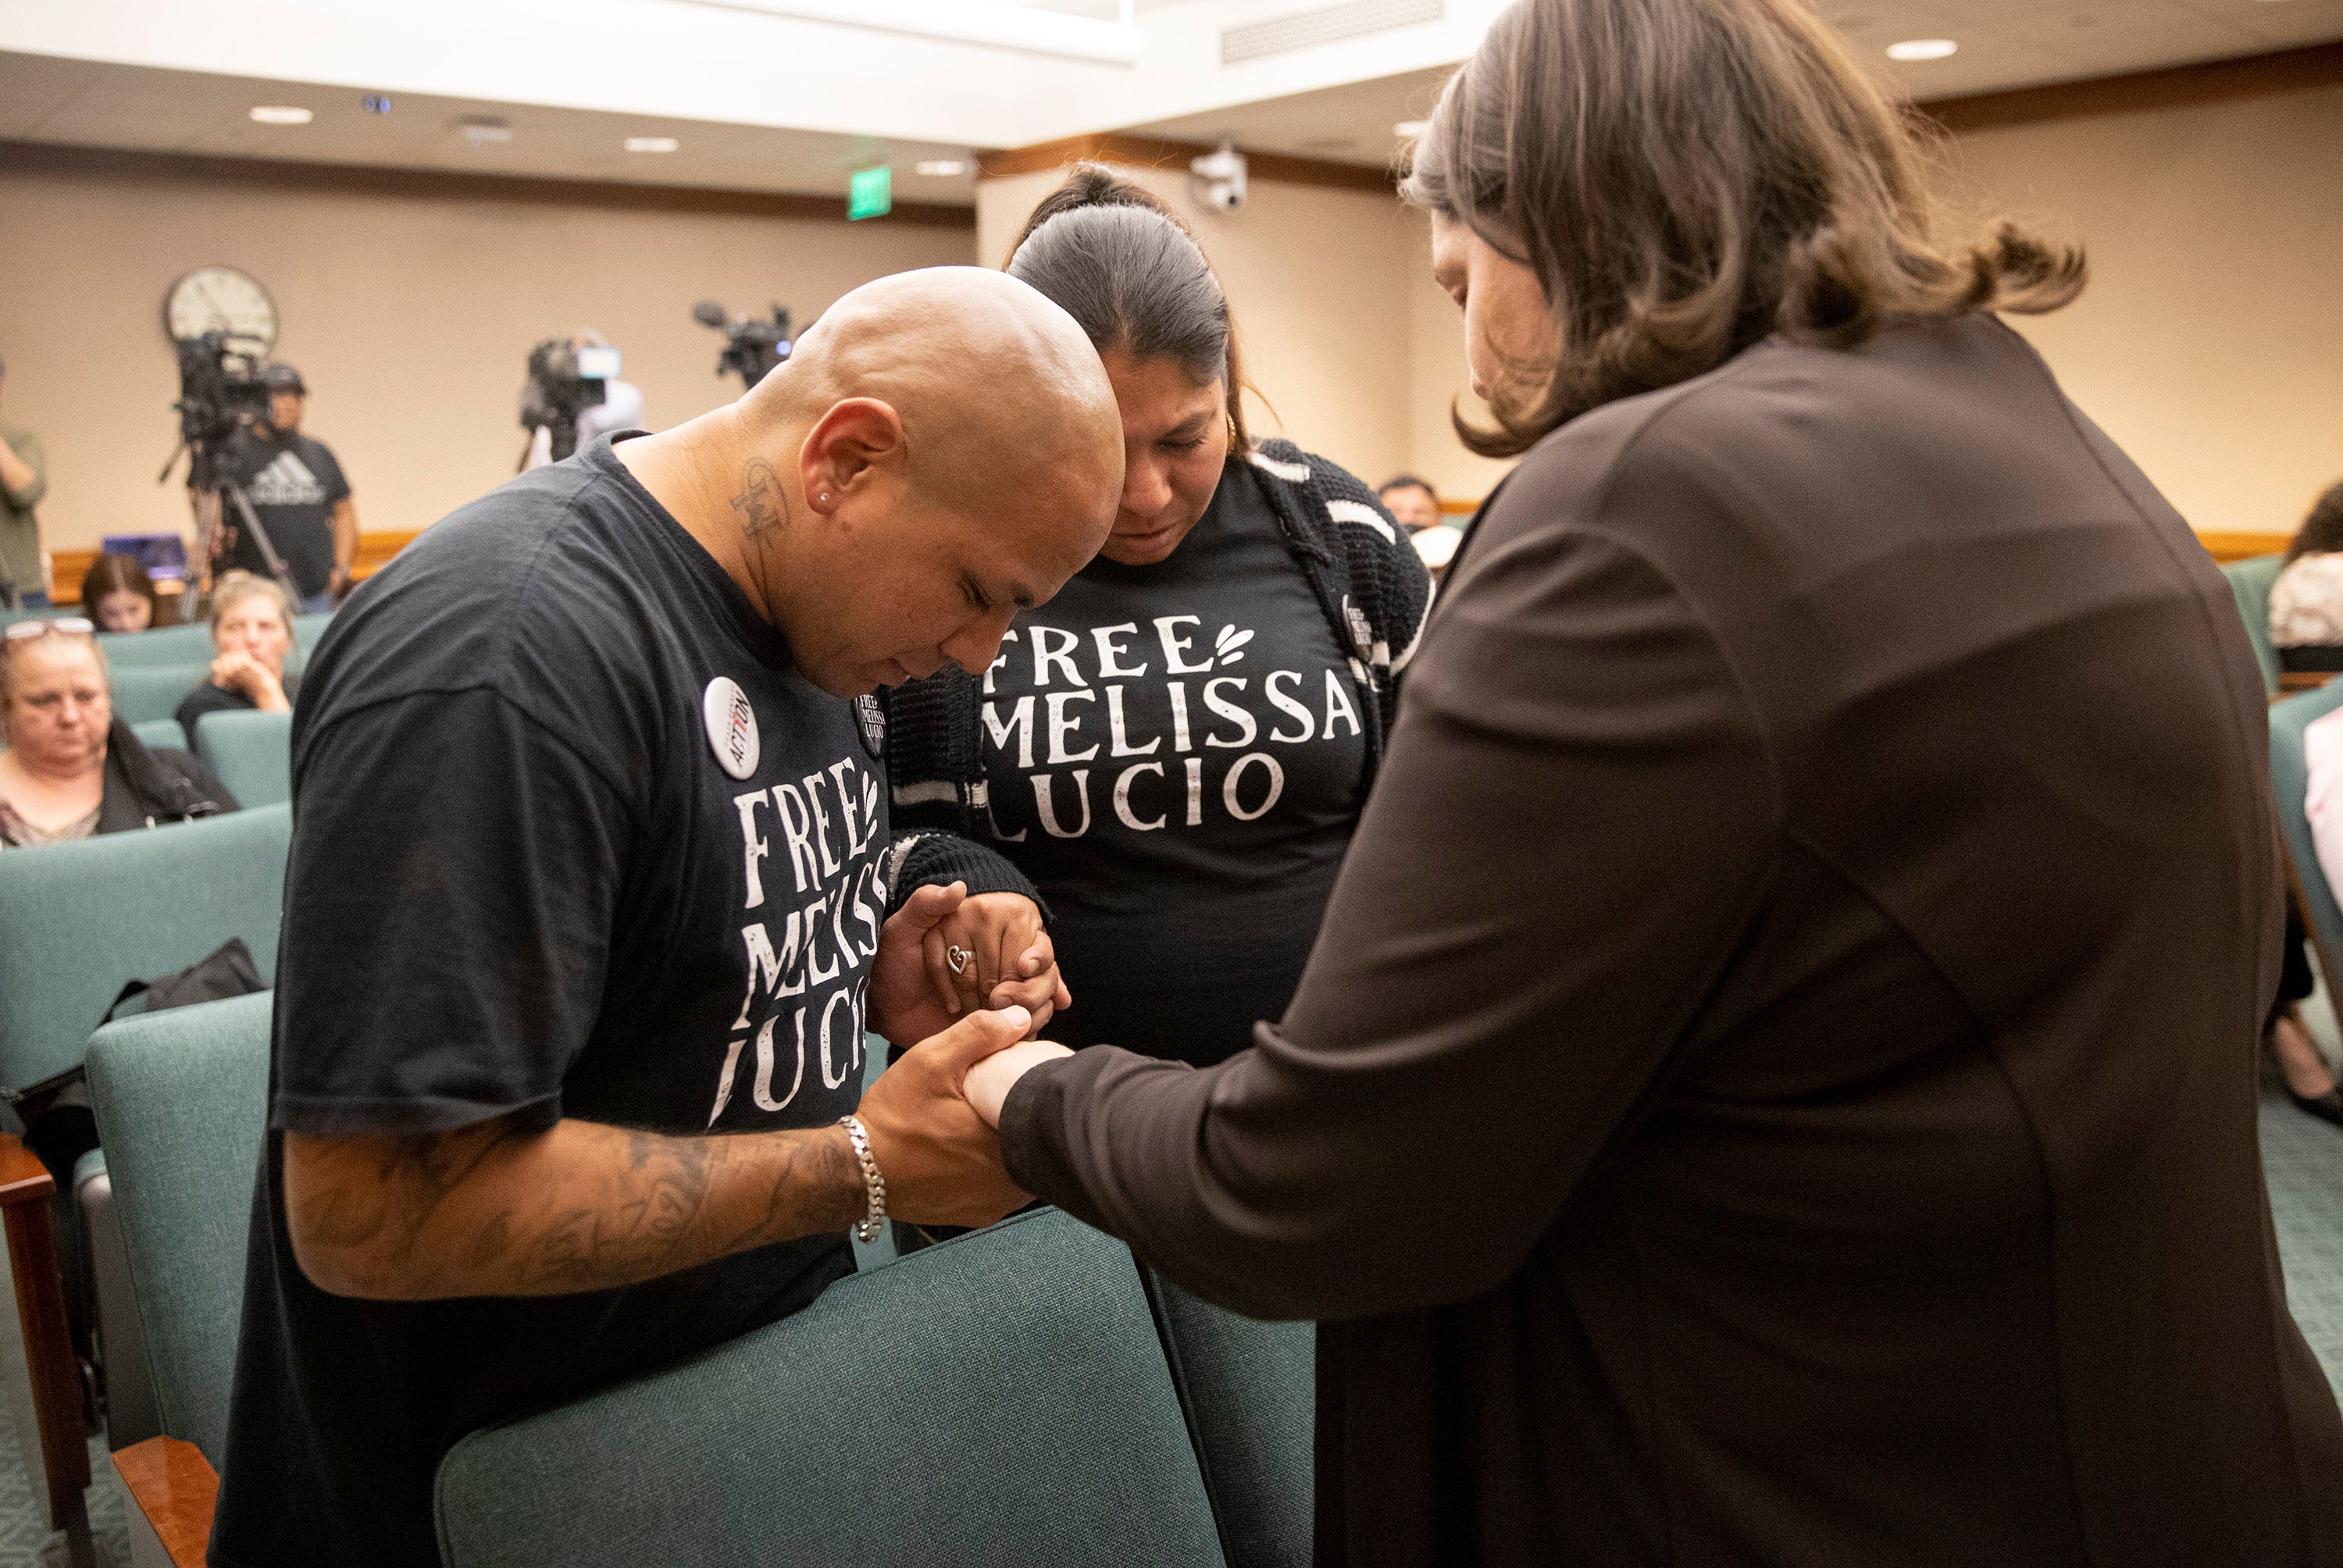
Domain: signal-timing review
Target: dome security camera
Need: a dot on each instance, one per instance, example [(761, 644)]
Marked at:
[(1216, 181)]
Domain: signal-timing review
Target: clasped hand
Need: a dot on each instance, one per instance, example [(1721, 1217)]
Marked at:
[(932, 1116)]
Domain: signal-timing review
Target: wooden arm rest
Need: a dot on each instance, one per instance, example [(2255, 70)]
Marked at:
[(23, 1178), (25, 1191), (174, 1488)]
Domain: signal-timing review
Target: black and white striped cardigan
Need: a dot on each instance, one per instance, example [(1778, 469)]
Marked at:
[(1367, 577)]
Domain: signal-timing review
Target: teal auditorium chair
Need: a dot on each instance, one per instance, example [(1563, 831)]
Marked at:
[(144, 693), (182, 1102), (1021, 1395), (307, 630), (252, 752), (164, 645), (82, 918), (2250, 581), (2302, 1158), (1251, 1394), (999, 1398), (164, 732), (80, 921)]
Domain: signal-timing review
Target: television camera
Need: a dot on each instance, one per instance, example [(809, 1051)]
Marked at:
[(753, 348)]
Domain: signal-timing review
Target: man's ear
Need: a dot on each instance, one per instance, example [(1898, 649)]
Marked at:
[(846, 446)]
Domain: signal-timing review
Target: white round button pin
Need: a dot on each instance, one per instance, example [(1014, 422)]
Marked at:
[(731, 726)]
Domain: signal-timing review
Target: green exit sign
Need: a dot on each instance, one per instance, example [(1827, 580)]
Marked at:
[(872, 191)]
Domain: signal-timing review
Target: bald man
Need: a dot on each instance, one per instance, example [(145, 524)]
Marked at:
[(588, 905)]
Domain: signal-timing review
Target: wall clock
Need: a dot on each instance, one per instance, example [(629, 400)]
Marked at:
[(222, 299)]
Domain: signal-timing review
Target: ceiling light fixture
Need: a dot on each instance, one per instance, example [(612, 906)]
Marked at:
[(652, 144), (1411, 127), (282, 115), (479, 130), (943, 167), (1922, 49)]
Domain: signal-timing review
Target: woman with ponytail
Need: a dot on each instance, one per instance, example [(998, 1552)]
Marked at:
[(1775, 1082), (1172, 753)]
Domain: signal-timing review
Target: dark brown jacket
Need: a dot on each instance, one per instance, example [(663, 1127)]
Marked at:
[(1776, 1081)]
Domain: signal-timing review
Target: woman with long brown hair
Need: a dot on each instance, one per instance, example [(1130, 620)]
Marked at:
[(1171, 754), (1775, 1080)]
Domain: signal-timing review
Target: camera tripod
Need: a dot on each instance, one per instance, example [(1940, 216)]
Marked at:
[(207, 476), (208, 526)]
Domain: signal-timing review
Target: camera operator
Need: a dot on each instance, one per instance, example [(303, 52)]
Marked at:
[(297, 489), (24, 480), (557, 391)]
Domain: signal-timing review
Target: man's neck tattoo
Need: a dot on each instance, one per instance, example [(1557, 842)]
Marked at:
[(760, 503)]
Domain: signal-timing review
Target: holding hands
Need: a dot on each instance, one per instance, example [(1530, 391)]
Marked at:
[(945, 954), (971, 980)]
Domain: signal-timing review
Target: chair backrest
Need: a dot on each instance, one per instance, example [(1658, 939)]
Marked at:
[(174, 645), (1000, 1398), (144, 691), (83, 919), (2249, 581), (182, 1104), (2290, 783), (307, 630), (1251, 1394), (252, 752), (162, 732)]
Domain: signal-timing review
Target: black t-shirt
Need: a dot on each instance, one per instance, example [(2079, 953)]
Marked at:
[(572, 838), (293, 484), (1175, 755)]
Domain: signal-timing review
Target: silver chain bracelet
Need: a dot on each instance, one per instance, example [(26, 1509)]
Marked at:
[(865, 1230)]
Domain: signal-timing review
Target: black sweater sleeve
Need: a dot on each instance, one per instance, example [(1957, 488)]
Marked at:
[(935, 781)]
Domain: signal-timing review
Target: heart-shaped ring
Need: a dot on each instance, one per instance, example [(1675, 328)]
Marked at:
[(958, 958)]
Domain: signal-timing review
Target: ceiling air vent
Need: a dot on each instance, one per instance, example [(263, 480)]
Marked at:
[(1256, 40)]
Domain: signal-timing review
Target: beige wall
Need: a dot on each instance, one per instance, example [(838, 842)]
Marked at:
[(1318, 281), (2209, 345), (2210, 342), (411, 318)]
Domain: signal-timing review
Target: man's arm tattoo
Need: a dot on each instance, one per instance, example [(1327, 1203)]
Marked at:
[(761, 504), (650, 1206)]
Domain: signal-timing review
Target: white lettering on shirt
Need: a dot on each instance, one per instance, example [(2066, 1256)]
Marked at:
[(1044, 793), (1122, 796), (1289, 705), (1020, 725), (756, 847), (798, 825), (1229, 711), (1061, 726), (1338, 704), (1061, 655), (1108, 669), (1175, 646)]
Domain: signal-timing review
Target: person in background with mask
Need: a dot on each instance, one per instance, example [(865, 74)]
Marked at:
[(1412, 503)]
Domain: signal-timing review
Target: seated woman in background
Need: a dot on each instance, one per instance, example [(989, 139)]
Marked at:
[(116, 593), (2308, 1080), (252, 631), (2305, 602), (1176, 750), (71, 770)]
